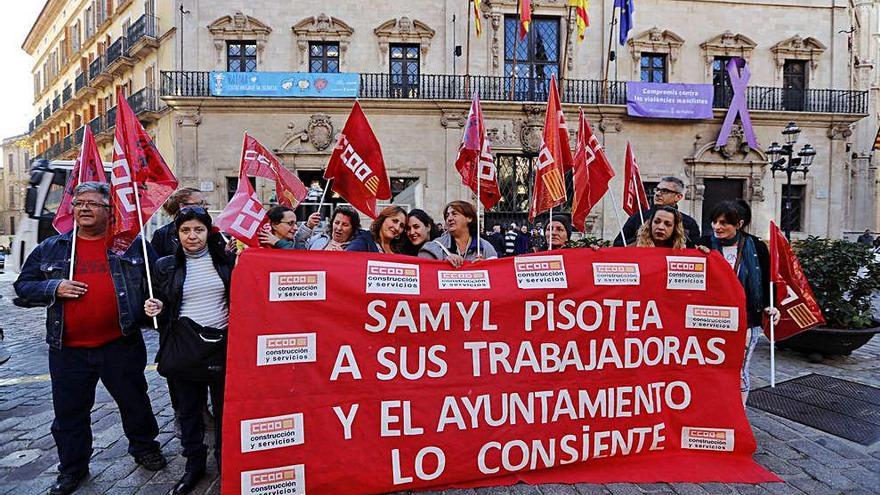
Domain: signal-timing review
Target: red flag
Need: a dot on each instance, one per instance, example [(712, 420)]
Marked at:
[(794, 297), (525, 17), (257, 161), (549, 188), (244, 216), (634, 196), (88, 168), (475, 158), (592, 174), (137, 166), (356, 165)]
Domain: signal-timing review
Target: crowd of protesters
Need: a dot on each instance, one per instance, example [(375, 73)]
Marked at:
[(94, 318)]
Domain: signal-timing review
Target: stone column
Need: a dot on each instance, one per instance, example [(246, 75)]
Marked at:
[(838, 180)]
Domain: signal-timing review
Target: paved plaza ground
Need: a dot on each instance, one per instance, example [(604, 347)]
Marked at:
[(810, 461)]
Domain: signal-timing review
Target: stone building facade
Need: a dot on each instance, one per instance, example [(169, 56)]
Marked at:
[(14, 175), (811, 62)]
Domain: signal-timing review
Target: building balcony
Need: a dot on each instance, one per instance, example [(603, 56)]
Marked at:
[(78, 135), (56, 104), (143, 36), (117, 57), (147, 105), (81, 82), (97, 125), (195, 84), (98, 77), (66, 95), (47, 112)]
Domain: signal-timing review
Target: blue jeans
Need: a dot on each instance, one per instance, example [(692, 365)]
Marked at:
[(75, 372), (752, 336)]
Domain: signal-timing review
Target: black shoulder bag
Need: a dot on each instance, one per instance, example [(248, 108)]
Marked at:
[(189, 351)]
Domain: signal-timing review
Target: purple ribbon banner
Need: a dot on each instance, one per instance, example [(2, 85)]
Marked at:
[(739, 80)]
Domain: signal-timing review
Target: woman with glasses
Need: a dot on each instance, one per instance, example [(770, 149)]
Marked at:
[(663, 228), (192, 294), (459, 243), (385, 233), (284, 233)]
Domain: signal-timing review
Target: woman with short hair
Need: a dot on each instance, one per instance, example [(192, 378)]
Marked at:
[(663, 228), (385, 233), (459, 243), (558, 231), (283, 233), (345, 224), (192, 294)]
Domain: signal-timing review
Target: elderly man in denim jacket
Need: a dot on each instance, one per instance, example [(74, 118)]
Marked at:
[(93, 328)]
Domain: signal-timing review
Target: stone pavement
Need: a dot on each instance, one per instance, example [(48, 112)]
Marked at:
[(810, 461)]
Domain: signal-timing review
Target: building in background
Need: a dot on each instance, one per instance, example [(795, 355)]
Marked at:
[(811, 62), (14, 175)]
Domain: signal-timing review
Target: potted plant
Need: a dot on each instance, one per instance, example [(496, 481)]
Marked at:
[(844, 276)]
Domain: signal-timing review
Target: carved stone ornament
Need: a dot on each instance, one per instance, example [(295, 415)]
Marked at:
[(322, 28), (839, 131), (452, 118), (320, 131), (188, 119), (798, 48), (734, 160), (238, 27), (404, 30), (727, 44), (532, 129), (655, 40), (736, 144), (611, 125)]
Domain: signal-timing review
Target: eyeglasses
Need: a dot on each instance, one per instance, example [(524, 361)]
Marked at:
[(663, 190), (89, 205), (198, 210)]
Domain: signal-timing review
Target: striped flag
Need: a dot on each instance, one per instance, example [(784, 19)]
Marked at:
[(794, 297), (876, 141), (525, 18), (581, 11), (478, 24), (549, 190)]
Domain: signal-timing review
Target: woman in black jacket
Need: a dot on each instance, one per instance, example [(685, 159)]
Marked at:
[(749, 258), (192, 292)]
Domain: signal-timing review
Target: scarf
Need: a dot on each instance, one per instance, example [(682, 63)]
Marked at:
[(747, 269)]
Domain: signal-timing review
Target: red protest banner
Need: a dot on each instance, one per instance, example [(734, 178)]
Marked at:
[(359, 373)]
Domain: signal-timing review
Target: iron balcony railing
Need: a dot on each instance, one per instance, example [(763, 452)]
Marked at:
[(145, 100), (97, 124), (31, 127), (66, 143), (116, 50), (67, 94), (574, 91), (144, 27), (82, 79), (56, 104), (96, 67), (53, 151), (110, 119), (38, 120), (47, 111), (78, 135)]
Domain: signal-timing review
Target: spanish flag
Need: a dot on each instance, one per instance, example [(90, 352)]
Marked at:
[(581, 11), (477, 23), (876, 141), (525, 18)]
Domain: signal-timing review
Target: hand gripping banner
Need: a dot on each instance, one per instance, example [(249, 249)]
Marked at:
[(363, 373)]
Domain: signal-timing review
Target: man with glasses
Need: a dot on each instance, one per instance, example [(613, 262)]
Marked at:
[(164, 239), (93, 328), (669, 191)]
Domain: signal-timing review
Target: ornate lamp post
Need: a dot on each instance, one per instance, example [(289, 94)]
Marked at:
[(783, 159)]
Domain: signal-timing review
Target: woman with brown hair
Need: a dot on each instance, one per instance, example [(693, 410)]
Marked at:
[(459, 243), (384, 234), (664, 228)]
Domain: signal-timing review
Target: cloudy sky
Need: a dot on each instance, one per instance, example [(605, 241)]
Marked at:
[(16, 92)]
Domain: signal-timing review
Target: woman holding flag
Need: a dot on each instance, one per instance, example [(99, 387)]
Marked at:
[(461, 241), (750, 260)]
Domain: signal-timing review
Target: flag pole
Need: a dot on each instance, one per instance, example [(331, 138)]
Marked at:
[(772, 335), (467, 58), (137, 203), (479, 206), (638, 197), (79, 174), (617, 214), (608, 55), (324, 195), (548, 229), (515, 43)]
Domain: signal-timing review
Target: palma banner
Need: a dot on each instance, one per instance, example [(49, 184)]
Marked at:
[(285, 84), (368, 373)]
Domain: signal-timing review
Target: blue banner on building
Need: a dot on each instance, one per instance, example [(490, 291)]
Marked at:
[(285, 84), (669, 101)]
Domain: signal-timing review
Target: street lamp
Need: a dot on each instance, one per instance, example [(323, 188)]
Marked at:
[(782, 159)]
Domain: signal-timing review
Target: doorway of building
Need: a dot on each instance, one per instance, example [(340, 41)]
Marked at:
[(716, 191)]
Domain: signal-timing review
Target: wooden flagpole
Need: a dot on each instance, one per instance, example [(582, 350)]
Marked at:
[(608, 54)]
